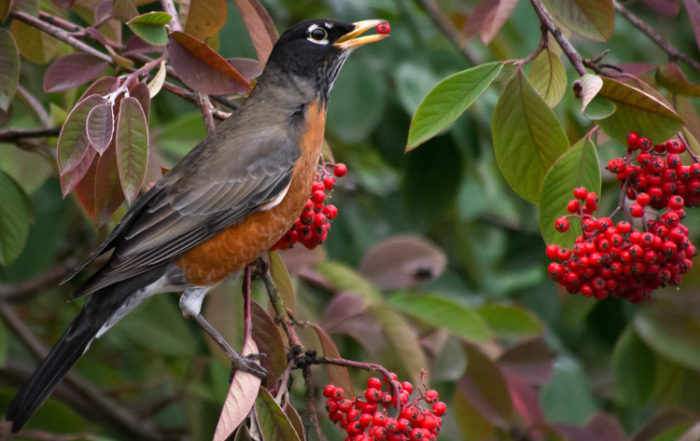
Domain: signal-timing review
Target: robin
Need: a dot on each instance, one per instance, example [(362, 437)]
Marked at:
[(227, 201)]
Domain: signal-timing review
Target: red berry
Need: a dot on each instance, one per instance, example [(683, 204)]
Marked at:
[(383, 28), (636, 210), (643, 199), (675, 202), (373, 395), (580, 192), (633, 139), (338, 393), (552, 251), (439, 408), (340, 170), (562, 225), (373, 382), (328, 391), (329, 182), (431, 395), (330, 211), (644, 143), (318, 196), (573, 206)]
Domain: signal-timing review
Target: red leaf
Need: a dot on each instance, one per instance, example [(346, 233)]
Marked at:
[(337, 375), (693, 8), (201, 68), (71, 179), (526, 401), (260, 27), (637, 69), (71, 71), (73, 141), (488, 18), (142, 94), (106, 188), (247, 67), (136, 45), (603, 426), (269, 341), (85, 189), (132, 146), (664, 7), (100, 127), (103, 87)]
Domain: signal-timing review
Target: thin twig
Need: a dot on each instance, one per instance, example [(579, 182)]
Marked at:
[(34, 104), (206, 108), (13, 135), (444, 24), (667, 47), (311, 403), (544, 41), (169, 7), (565, 45), (27, 289)]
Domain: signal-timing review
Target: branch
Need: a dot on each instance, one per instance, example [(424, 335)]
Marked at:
[(14, 135), (444, 24), (544, 41), (169, 7), (34, 104), (565, 45), (667, 47)]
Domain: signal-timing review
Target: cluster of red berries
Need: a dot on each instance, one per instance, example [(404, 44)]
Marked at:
[(653, 174), (312, 226), (366, 417), (617, 260)]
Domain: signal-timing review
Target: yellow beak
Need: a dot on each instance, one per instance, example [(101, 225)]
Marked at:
[(352, 39)]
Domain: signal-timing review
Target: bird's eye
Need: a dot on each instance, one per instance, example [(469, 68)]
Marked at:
[(318, 34)]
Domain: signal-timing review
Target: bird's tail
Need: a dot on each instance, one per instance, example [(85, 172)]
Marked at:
[(99, 308)]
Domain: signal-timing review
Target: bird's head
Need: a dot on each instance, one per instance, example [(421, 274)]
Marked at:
[(315, 50)]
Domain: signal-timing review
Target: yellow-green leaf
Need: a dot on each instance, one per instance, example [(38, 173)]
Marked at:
[(15, 214), (592, 19), (548, 77)]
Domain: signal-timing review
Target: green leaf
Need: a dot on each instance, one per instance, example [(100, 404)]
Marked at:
[(592, 19), (132, 147), (672, 331), (548, 77), (280, 275), (448, 100), (510, 322), (578, 167), (443, 313), (637, 111), (599, 108), (527, 137), (567, 398), (274, 423), (34, 45), (73, 141), (9, 69), (471, 423), (633, 364), (151, 27), (15, 213), (344, 278)]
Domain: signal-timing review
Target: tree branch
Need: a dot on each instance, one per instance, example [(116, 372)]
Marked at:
[(169, 7), (565, 45), (667, 47), (444, 24), (14, 135)]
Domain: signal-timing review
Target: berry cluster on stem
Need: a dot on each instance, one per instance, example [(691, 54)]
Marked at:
[(369, 416)]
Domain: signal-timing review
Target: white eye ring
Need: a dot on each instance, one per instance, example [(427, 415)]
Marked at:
[(317, 34)]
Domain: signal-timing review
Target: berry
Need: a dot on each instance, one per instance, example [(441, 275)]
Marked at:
[(633, 139), (562, 225), (580, 193), (340, 170), (383, 28)]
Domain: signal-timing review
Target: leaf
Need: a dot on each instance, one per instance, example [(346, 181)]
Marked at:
[(693, 9), (530, 360), (100, 126), (107, 189), (205, 18), (260, 26), (548, 77), (73, 141), (151, 27), (337, 375), (488, 18), (103, 87), (599, 108), (249, 68), (586, 88), (510, 322), (664, 7), (604, 426), (141, 93), (527, 137), (33, 45), (592, 19), (403, 261), (693, 434), (201, 68), (71, 179), (633, 364), (345, 278), (240, 399), (663, 422), (672, 78), (15, 213), (132, 147), (295, 419), (9, 69), (525, 400), (273, 422), (567, 397), (448, 100), (637, 111), (72, 70), (269, 342), (65, 4), (282, 280), (578, 167), (124, 10), (158, 80), (443, 313), (473, 426), (103, 11), (484, 386), (672, 331)]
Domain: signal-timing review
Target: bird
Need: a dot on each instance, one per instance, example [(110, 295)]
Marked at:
[(223, 204)]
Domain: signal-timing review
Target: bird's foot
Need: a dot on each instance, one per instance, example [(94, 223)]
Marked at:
[(248, 363)]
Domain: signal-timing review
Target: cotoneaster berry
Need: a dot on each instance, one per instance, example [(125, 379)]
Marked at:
[(383, 28)]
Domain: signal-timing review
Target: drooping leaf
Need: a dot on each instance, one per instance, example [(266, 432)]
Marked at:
[(448, 100), (567, 397), (15, 214), (260, 26), (142, 94), (525, 400), (156, 83), (34, 45), (548, 77), (273, 422), (592, 19), (527, 138), (106, 185), (637, 111), (282, 280), (132, 146), (337, 375), (269, 342), (205, 18), (72, 70), (441, 312), (634, 366), (151, 27), (672, 78), (578, 167), (240, 399), (403, 261), (100, 126), (692, 7), (9, 69), (672, 331), (510, 322), (85, 188), (71, 179), (488, 18), (586, 88), (103, 11), (201, 68), (73, 141)]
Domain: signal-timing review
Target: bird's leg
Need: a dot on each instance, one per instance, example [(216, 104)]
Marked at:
[(191, 306)]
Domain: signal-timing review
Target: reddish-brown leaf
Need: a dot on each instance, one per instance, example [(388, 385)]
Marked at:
[(85, 190), (136, 45), (140, 92), (531, 360), (71, 71), (100, 127), (107, 190), (269, 342), (525, 400), (247, 67), (488, 18), (347, 314), (260, 27), (605, 427), (693, 9), (132, 146), (9, 69), (71, 179), (201, 68), (205, 18), (337, 375), (65, 4), (124, 10), (103, 87), (73, 141), (103, 11), (295, 419), (663, 422), (664, 7), (672, 78)]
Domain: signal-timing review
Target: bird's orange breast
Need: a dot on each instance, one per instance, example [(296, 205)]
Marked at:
[(237, 246)]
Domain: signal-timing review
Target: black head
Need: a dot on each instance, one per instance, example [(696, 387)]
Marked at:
[(316, 49)]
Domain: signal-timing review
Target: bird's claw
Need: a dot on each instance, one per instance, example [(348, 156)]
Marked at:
[(250, 364)]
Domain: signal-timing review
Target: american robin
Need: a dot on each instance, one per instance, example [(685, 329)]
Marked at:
[(227, 201)]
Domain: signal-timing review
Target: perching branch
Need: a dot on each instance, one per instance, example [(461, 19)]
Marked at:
[(565, 45), (14, 135), (667, 47)]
